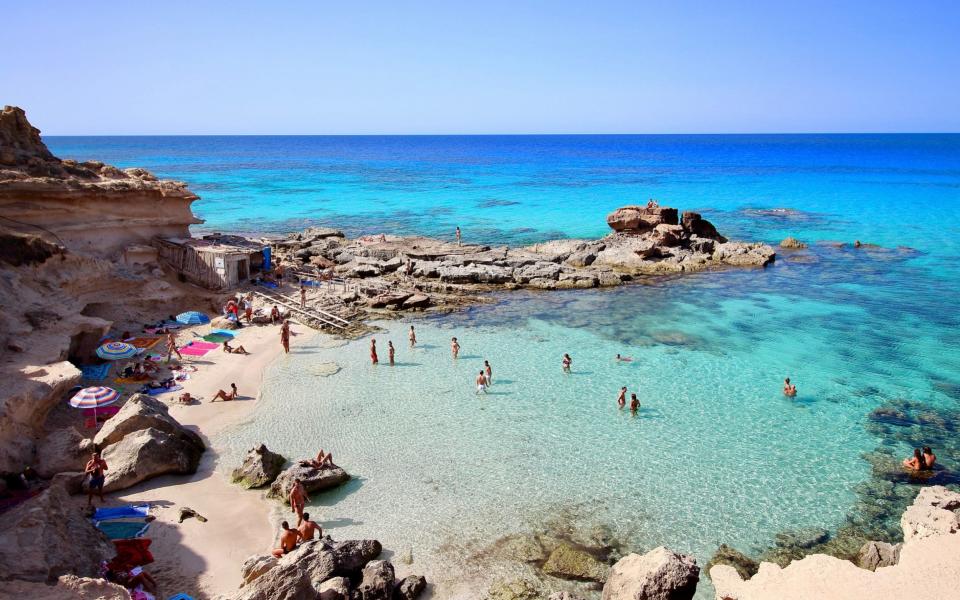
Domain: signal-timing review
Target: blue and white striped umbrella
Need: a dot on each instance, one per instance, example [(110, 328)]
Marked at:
[(117, 351), (192, 317), (94, 397)]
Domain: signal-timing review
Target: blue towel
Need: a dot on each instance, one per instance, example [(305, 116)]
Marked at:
[(180, 597), (268, 284), (226, 332), (123, 530), (121, 512), (95, 372)]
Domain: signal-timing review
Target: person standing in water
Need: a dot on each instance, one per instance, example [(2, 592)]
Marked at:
[(567, 363), (390, 351), (634, 403), (789, 389), (298, 497), (622, 397), (412, 336), (489, 371), (455, 347), (481, 383), (459, 243), (373, 351), (285, 336)]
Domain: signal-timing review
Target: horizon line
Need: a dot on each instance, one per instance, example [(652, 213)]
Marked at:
[(727, 133)]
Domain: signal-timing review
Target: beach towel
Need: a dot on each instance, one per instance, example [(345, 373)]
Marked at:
[(180, 597), (161, 391), (268, 284), (192, 351), (95, 372), (133, 379), (121, 512), (207, 345), (225, 332), (144, 342), (123, 530), (131, 553), (217, 338)]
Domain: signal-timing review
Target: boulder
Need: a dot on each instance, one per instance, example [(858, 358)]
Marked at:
[(146, 454), (409, 587), (641, 218), (255, 566), (68, 587), (935, 511), (725, 555), (741, 254), (391, 299), (701, 245), (569, 562), (693, 224), (61, 451), (377, 582), (878, 554), (335, 588), (48, 536), (223, 323), (474, 273), (291, 583), (316, 558), (352, 555), (657, 575), (668, 235), (363, 270), (792, 243), (416, 301), (144, 412), (583, 258), (312, 478), (260, 467)]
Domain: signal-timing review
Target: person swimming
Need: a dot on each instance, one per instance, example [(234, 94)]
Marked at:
[(789, 389), (624, 358), (481, 383)]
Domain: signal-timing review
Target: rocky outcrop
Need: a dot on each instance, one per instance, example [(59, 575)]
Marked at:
[(725, 555), (874, 555), (657, 575), (47, 537), (143, 412), (336, 588), (259, 468), (792, 243), (146, 454), (62, 451), (377, 581), (409, 587), (935, 511), (312, 478), (67, 587), (641, 218)]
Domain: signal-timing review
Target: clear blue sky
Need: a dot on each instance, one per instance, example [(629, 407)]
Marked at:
[(484, 66)]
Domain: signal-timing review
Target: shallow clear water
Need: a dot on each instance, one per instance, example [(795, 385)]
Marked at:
[(716, 454)]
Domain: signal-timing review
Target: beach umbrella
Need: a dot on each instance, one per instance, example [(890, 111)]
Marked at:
[(192, 317), (94, 397), (117, 351)]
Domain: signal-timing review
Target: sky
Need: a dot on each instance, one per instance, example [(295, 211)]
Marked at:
[(482, 67)]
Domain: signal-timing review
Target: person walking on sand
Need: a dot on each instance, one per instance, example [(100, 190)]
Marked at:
[(455, 347), (172, 346), (622, 397), (288, 540), (95, 469), (634, 403), (303, 296), (459, 242), (308, 529), (285, 336), (489, 370), (390, 351), (373, 352), (567, 363), (481, 383), (412, 336), (248, 309), (298, 497)]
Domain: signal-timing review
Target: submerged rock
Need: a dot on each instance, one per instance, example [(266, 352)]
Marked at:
[(409, 587), (516, 589), (657, 575), (725, 555), (792, 243), (259, 468), (569, 562)]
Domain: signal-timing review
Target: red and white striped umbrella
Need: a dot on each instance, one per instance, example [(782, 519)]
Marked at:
[(94, 397)]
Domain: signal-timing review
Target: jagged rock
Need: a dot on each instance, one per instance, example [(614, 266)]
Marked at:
[(290, 583), (611, 278), (657, 575), (668, 235), (741, 254), (416, 301), (725, 555), (878, 554), (19, 140), (146, 454), (377, 582), (409, 587), (48, 536), (61, 451), (260, 467), (426, 268), (694, 224), (935, 511), (335, 588), (569, 562), (255, 566), (557, 251), (312, 478), (474, 274), (793, 243), (142, 412), (701, 245), (641, 218), (583, 258), (538, 270), (68, 587)]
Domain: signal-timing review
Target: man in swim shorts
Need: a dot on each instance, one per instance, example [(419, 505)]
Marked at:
[(481, 383), (288, 540), (95, 468)]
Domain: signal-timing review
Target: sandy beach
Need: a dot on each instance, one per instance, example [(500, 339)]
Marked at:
[(204, 559)]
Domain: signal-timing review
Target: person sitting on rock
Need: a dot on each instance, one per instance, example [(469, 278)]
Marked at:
[(288, 540), (222, 395), (308, 529), (231, 350), (789, 389), (915, 462), (322, 460), (929, 458)]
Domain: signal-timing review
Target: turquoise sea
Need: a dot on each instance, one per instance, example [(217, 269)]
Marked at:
[(871, 336)]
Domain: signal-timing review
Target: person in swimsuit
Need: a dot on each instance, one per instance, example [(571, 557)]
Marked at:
[(248, 309), (95, 469), (298, 497), (222, 395), (303, 296), (929, 458), (481, 383), (274, 315), (308, 529), (285, 336), (231, 350), (373, 352), (624, 358), (622, 397), (390, 351), (915, 462), (458, 236), (789, 390), (634, 403), (172, 346), (567, 363), (412, 336), (454, 347), (489, 371), (288, 540), (322, 460)]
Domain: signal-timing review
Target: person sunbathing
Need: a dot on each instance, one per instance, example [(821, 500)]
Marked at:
[(231, 350), (322, 460), (186, 398), (222, 395)]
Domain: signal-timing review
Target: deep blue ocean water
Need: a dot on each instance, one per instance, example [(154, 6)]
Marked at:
[(717, 454)]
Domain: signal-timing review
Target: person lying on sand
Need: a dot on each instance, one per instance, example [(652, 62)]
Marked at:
[(624, 358), (915, 462), (308, 529), (298, 497), (231, 350), (222, 395), (789, 389), (288, 540)]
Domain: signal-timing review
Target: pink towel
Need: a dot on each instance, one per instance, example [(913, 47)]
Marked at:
[(207, 345), (194, 351)]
